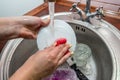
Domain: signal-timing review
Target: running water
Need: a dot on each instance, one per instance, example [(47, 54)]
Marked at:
[(51, 13)]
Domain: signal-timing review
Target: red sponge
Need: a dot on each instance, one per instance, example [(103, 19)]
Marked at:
[(61, 41)]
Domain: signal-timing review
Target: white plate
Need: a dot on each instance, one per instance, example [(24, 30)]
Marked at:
[(46, 36)]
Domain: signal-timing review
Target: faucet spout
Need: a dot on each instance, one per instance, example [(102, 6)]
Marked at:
[(87, 8)]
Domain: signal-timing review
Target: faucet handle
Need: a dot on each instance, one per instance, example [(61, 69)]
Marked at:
[(79, 11), (100, 12), (74, 6)]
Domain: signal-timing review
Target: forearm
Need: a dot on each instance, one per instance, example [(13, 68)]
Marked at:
[(23, 74), (20, 76), (26, 72), (4, 21)]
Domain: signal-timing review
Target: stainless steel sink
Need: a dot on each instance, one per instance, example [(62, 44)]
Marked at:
[(104, 41)]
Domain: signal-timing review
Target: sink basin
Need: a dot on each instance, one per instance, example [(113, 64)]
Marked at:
[(104, 41)]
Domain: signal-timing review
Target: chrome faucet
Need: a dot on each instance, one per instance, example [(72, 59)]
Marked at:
[(87, 8), (75, 8), (86, 14)]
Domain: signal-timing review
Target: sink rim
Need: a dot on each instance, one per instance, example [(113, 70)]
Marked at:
[(18, 41)]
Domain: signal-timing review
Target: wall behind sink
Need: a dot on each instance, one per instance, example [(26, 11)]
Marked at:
[(17, 7)]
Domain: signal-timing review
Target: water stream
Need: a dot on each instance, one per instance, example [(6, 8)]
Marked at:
[(51, 13)]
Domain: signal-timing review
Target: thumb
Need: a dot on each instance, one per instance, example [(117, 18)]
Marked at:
[(45, 22), (28, 34)]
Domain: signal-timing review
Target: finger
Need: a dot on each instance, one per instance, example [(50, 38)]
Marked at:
[(25, 33), (27, 20), (54, 44), (57, 49), (64, 58), (32, 21), (44, 22), (51, 47), (63, 51)]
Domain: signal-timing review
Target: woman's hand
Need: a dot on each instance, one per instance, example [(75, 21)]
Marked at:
[(21, 27), (42, 63)]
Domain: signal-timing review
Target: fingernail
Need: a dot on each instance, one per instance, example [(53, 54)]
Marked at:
[(47, 20), (48, 17), (70, 45), (72, 52), (54, 44)]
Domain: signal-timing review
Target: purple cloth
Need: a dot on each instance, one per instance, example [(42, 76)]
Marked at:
[(62, 74)]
